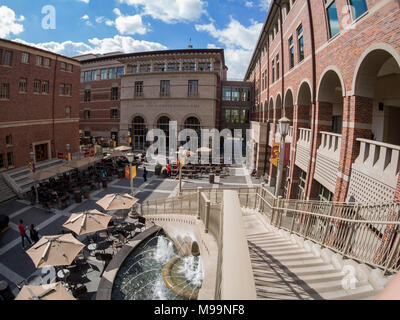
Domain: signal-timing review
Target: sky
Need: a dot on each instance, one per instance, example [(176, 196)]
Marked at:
[(75, 27)]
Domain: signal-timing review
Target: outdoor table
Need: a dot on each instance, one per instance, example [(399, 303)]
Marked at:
[(92, 247), (63, 274)]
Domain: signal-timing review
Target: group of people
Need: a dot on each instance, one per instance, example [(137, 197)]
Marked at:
[(33, 234)]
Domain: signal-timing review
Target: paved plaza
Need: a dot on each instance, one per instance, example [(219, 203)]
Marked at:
[(15, 265)]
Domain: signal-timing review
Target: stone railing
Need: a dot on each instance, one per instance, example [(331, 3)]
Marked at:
[(304, 137), (289, 137), (330, 144), (270, 135), (303, 148)]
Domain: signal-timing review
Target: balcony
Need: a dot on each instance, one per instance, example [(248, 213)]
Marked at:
[(375, 172), (270, 135), (327, 162), (303, 148), (289, 137)]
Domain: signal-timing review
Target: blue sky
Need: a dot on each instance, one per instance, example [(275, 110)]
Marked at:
[(101, 26)]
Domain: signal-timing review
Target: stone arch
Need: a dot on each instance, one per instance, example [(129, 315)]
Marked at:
[(304, 104), (330, 76), (138, 130), (288, 103), (278, 106)]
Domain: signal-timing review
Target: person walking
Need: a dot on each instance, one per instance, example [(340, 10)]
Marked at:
[(33, 234), (145, 174), (22, 232), (169, 170)]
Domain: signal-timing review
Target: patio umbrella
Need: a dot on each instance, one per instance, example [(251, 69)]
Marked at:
[(87, 222), (117, 201), (60, 169), (52, 291), (204, 149), (42, 175), (116, 154), (123, 148), (94, 159), (78, 163), (59, 250)]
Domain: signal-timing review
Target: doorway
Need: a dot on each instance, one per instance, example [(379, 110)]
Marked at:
[(41, 152)]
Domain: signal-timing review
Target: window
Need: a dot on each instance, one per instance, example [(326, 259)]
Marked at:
[(277, 67), (68, 112), (226, 93), (9, 140), (86, 114), (291, 53), (160, 67), (114, 113), (45, 87), (273, 70), (63, 66), (69, 68), (204, 66), (114, 93), (68, 90), (164, 88), (245, 94), (87, 96), (173, 67), (86, 76), (332, 17), (358, 7), (7, 58), (192, 66), (145, 68), (111, 73), (302, 185), (5, 91), (193, 88), (325, 195), (87, 133), (36, 86), (133, 68), (226, 117), (120, 72), (235, 116), (103, 74), (337, 124), (300, 43), (10, 159), (2, 161), (138, 88), (25, 57), (46, 62), (39, 60), (22, 85), (235, 94), (93, 75)]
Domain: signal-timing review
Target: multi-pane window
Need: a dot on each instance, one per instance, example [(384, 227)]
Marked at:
[(22, 85), (7, 58), (86, 114), (10, 159), (160, 67), (86, 76), (5, 91), (235, 115), (36, 86), (39, 60), (291, 53), (193, 88), (111, 73), (358, 8), (226, 93), (120, 72), (332, 17), (164, 88), (138, 88), (114, 93), (45, 87), (273, 70), (145, 68), (325, 195), (277, 67), (302, 185), (68, 112), (69, 67), (25, 57), (87, 95), (204, 66), (46, 62), (173, 67), (63, 66), (235, 94), (300, 42), (103, 74), (9, 140), (65, 90), (337, 122), (133, 69), (245, 94), (93, 75), (113, 113)]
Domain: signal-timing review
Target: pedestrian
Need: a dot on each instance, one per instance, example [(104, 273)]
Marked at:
[(169, 170), (33, 234), (145, 174), (22, 232)]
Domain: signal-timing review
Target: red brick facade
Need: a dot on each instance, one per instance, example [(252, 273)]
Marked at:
[(49, 116), (345, 65)]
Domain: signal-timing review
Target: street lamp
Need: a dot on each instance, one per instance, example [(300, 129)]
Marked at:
[(181, 155), (68, 148), (130, 156), (283, 126)]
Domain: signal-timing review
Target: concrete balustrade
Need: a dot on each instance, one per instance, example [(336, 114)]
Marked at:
[(304, 137), (303, 148), (379, 160), (330, 145)]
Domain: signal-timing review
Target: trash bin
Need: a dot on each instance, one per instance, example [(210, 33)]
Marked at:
[(5, 291), (211, 178), (77, 196)]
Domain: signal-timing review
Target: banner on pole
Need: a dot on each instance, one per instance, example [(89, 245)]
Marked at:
[(127, 172), (275, 154)]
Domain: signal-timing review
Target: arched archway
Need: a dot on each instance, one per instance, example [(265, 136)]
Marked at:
[(289, 103), (303, 105), (139, 132), (271, 109), (278, 107), (163, 124), (193, 123)]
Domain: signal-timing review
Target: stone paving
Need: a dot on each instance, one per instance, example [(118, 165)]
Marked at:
[(15, 265)]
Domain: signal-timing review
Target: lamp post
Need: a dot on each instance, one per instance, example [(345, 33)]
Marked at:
[(283, 126), (130, 156), (68, 148)]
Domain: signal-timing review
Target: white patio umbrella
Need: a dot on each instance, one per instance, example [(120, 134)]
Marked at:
[(87, 222), (52, 291)]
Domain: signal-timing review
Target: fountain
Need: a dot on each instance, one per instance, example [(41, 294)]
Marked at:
[(157, 270)]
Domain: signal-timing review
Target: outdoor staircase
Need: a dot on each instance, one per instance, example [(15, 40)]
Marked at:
[(6, 193), (285, 270), (18, 178)]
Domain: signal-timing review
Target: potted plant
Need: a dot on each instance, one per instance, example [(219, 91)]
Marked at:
[(157, 170)]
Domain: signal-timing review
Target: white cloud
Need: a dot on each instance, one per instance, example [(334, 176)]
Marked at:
[(85, 1), (129, 24), (85, 17), (249, 4), (170, 11), (9, 22), (95, 45), (239, 42), (86, 20), (264, 4)]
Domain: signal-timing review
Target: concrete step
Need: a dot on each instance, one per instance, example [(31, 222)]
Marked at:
[(6, 193), (364, 291)]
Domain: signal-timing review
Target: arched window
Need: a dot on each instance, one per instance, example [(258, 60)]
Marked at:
[(163, 124), (138, 133), (194, 123)]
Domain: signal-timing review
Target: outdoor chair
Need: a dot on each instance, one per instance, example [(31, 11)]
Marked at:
[(79, 291)]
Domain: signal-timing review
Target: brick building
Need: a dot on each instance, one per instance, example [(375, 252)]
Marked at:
[(100, 91), (332, 68), (39, 101)]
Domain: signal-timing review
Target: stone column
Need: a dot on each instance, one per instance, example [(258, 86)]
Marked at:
[(357, 122)]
